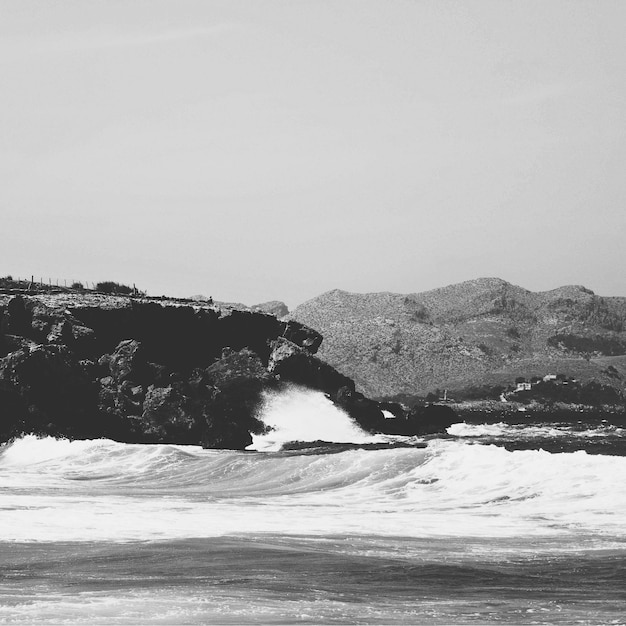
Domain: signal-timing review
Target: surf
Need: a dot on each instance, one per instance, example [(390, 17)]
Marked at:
[(297, 414), (103, 490)]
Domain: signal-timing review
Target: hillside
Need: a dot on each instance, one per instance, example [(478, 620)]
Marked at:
[(484, 331)]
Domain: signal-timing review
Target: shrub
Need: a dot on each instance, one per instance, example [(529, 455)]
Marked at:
[(512, 332), (607, 346), (108, 286), (479, 392)]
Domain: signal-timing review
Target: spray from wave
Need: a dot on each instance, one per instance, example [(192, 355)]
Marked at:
[(300, 414)]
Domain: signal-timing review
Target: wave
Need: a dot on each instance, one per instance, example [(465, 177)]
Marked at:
[(528, 431), (101, 489), (299, 414)]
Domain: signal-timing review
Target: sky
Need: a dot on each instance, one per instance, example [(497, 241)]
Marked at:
[(273, 150)]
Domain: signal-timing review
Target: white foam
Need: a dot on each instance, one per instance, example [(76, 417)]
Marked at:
[(300, 414), (102, 490), (529, 431), (31, 450)]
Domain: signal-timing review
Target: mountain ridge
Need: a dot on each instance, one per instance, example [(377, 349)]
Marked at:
[(476, 332)]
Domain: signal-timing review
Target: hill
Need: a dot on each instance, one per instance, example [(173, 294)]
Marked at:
[(483, 331)]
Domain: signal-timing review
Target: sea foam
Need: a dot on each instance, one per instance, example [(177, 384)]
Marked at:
[(103, 490), (299, 414)]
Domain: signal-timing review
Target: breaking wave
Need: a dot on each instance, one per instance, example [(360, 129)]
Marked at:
[(299, 414), (102, 490), (528, 431)]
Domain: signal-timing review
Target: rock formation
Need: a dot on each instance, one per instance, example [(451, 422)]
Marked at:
[(139, 370)]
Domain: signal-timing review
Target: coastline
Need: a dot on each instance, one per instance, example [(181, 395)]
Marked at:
[(146, 370)]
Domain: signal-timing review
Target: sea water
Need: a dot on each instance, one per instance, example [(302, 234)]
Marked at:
[(482, 525)]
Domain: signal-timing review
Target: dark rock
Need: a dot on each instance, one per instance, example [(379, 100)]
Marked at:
[(182, 338), (158, 374), (13, 412), (140, 371), (18, 318), (34, 320), (295, 364), (109, 324), (54, 387), (61, 332), (138, 393), (237, 382), (246, 329), (176, 337), (113, 400), (236, 366), (302, 336), (365, 412), (432, 418), (168, 416), (394, 408), (128, 362), (15, 342), (225, 435)]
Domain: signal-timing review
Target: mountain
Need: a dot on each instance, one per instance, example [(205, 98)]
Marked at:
[(274, 307), (483, 331)]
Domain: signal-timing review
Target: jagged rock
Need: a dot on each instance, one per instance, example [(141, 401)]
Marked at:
[(61, 332), (128, 362), (138, 393), (302, 336), (159, 375), (58, 394), (13, 343), (225, 435), (238, 380), (433, 418), (295, 364), (13, 413), (145, 372), (169, 417), (34, 320), (365, 412), (17, 319), (113, 400), (395, 408), (246, 329)]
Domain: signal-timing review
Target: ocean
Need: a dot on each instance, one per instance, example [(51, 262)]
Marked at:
[(487, 524)]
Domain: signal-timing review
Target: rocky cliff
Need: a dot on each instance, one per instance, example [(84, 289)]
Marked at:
[(145, 370), (484, 331)]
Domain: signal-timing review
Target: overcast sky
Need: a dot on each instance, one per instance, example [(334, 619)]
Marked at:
[(261, 150)]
